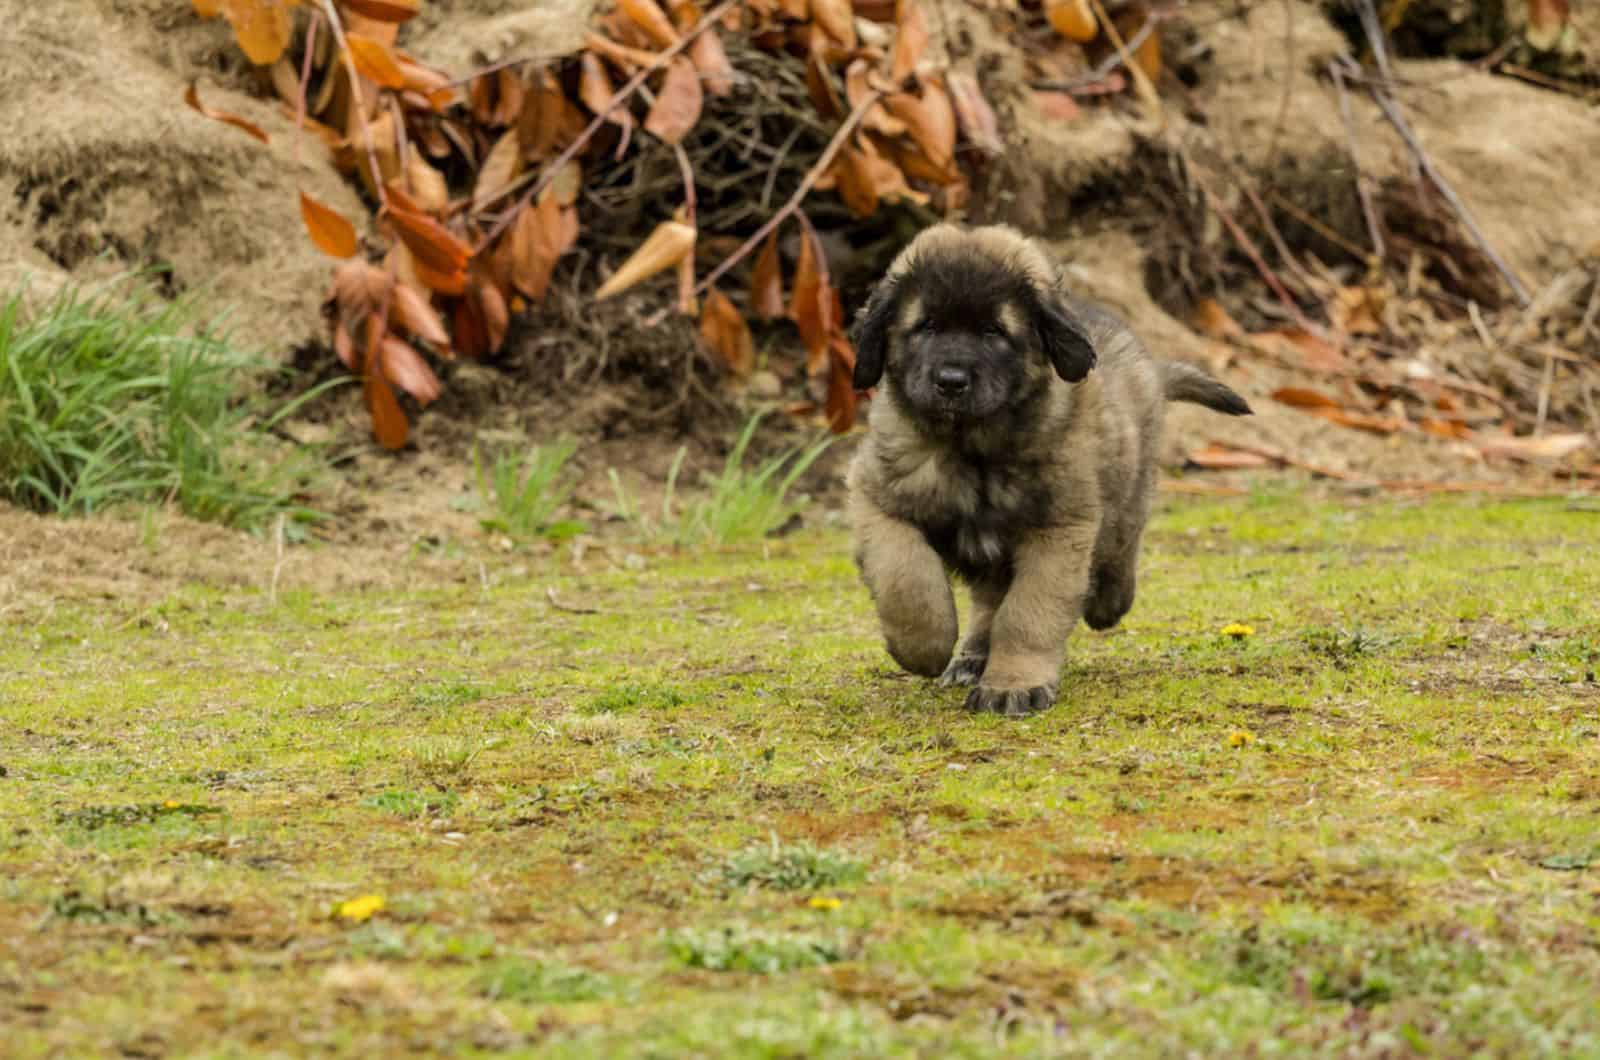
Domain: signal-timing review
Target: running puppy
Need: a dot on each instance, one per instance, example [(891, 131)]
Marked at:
[(1013, 442)]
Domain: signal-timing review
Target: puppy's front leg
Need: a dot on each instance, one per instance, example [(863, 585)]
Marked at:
[(1030, 629), (909, 585), (967, 667)]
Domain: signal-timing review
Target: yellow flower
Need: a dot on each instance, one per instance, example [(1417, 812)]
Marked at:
[(825, 904), (1238, 630), (170, 804), (1240, 738), (360, 908)]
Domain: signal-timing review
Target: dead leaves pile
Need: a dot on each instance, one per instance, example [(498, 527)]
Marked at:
[(478, 180)]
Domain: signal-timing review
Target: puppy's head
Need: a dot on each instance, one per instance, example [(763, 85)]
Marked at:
[(967, 322)]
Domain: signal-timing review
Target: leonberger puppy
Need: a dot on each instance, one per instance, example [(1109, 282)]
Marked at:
[(1013, 442)]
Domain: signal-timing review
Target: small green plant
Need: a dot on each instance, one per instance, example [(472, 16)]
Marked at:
[(739, 504), (535, 982), (525, 491), (1346, 643), (110, 396), (790, 867), (413, 804), (739, 949), (624, 698), (445, 760)]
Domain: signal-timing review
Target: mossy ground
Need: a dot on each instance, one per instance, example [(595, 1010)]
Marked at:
[(694, 810)]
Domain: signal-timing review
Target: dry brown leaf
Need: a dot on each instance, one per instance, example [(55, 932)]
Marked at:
[(384, 10), (1073, 19), (496, 314), (343, 347), (192, 97), (1362, 421), (1302, 398), (388, 422), (910, 40), (726, 334), (797, 10), (677, 105), (545, 117), (1223, 458), (594, 88), (648, 16), (888, 179), (857, 89), (565, 186), (1546, 447), (1446, 427), (1213, 321), (497, 99), (498, 171), (669, 244), (332, 234), (1147, 56), (374, 61), (1300, 347), (427, 184), (711, 60), (977, 119), (1356, 311), (262, 27), (1057, 106), (841, 403), (412, 312), (853, 179), (930, 121), (434, 247), (836, 19), (766, 282), (627, 58), (405, 367), (820, 87), (805, 299)]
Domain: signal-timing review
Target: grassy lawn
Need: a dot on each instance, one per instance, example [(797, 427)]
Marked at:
[(693, 810)]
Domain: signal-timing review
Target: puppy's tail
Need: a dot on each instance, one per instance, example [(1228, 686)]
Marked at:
[(1187, 383)]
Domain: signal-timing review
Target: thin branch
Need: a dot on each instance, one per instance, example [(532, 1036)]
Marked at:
[(1374, 230), (355, 96), (618, 98), (305, 85), (1105, 69), (1141, 81), (1249, 247), (811, 177)]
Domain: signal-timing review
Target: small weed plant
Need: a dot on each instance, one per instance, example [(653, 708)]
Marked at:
[(525, 491), (110, 396)]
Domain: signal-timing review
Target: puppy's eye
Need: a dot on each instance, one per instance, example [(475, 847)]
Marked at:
[(995, 331)]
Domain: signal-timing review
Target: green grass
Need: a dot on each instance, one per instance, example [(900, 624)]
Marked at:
[(737, 504), (710, 818), (525, 491), (109, 396)]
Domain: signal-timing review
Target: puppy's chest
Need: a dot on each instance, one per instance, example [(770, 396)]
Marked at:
[(973, 511)]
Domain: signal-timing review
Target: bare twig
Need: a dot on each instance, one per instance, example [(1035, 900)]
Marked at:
[(305, 82), (1374, 230), (1141, 81), (1105, 69), (355, 96), (618, 98), (1249, 247), (812, 175)]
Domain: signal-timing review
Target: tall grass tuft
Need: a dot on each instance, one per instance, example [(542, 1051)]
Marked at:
[(525, 491), (108, 395)]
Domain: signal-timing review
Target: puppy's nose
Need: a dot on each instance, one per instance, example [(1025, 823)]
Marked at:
[(951, 380)]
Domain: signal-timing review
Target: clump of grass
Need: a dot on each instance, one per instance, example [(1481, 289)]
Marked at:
[(445, 760), (740, 504), (413, 804), (536, 982), (110, 396), (1347, 643), (624, 698), (739, 949), (790, 867), (525, 491), (93, 818)]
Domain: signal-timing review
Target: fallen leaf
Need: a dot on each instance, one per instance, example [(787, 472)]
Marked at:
[(910, 40), (726, 334), (1057, 106), (677, 105), (497, 99), (1362, 421), (853, 180), (1545, 447), (388, 422), (711, 60), (1223, 458), (427, 184), (374, 61), (384, 10), (841, 403), (192, 97), (405, 367), (1302, 348), (976, 118), (836, 19), (1302, 398), (648, 16), (262, 27), (496, 314), (806, 307), (432, 244), (669, 244), (594, 88), (930, 121), (1445, 428), (498, 171), (766, 282), (412, 312), (332, 234), (1213, 321), (1073, 19)]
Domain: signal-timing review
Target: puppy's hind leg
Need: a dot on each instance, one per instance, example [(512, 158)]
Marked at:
[(910, 588), (967, 667)]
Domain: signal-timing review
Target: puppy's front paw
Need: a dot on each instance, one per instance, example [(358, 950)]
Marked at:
[(964, 670), (1012, 702)]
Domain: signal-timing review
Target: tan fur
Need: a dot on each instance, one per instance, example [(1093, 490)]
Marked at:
[(1078, 477)]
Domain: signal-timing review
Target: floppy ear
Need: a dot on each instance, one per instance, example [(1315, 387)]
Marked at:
[(870, 335), (1063, 339)]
